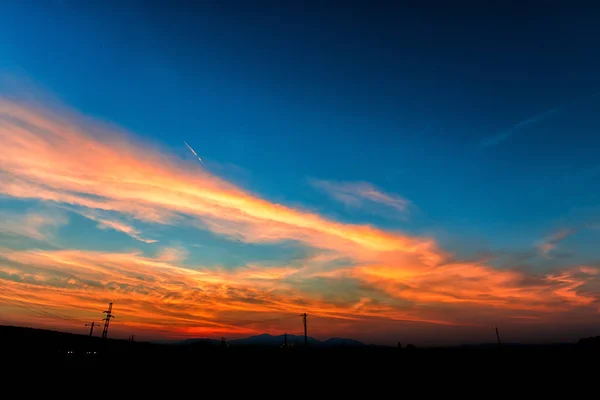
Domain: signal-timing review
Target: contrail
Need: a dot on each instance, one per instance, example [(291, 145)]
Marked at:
[(502, 136), (193, 152)]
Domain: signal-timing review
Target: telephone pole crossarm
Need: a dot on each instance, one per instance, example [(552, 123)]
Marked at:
[(92, 325)]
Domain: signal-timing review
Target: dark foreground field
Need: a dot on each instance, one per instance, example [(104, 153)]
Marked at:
[(48, 349)]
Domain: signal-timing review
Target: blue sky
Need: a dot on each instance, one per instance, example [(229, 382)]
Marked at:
[(483, 118)]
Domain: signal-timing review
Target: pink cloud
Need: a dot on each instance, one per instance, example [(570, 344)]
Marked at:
[(550, 243)]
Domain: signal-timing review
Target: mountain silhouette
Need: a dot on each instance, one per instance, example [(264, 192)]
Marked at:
[(266, 339), (342, 342)]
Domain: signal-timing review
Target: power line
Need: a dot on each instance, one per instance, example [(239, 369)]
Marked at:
[(38, 308), (19, 304), (39, 312), (36, 305)]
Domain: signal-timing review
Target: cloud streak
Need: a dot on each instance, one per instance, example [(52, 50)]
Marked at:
[(550, 243), (361, 194), (119, 226)]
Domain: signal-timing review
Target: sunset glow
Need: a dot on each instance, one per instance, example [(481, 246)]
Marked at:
[(388, 172), (75, 166)]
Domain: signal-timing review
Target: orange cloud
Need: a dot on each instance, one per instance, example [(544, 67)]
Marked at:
[(481, 285), (64, 159), (61, 157), (150, 294)]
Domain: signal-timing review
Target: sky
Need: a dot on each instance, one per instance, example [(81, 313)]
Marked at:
[(411, 172)]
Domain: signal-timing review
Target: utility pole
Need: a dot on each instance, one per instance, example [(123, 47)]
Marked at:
[(304, 321), (498, 336), (285, 340), (107, 320), (132, 338), (92, 325)]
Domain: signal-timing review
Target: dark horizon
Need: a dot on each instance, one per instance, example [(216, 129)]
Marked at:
[(571, 339), (266, 340)]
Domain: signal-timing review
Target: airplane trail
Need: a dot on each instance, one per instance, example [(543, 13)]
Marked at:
[(502, 136), (193, 152)]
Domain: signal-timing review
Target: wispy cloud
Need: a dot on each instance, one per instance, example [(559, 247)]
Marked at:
[(37, 225), (61, 157), (152, 293), (468, 283), (362, 194), (173, 254), (116, 225), (550, 243)]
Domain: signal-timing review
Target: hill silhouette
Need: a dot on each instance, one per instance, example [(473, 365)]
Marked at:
[(268, 340)]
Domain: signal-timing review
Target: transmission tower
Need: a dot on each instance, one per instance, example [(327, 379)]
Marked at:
[(92, 325), (107, 320)]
